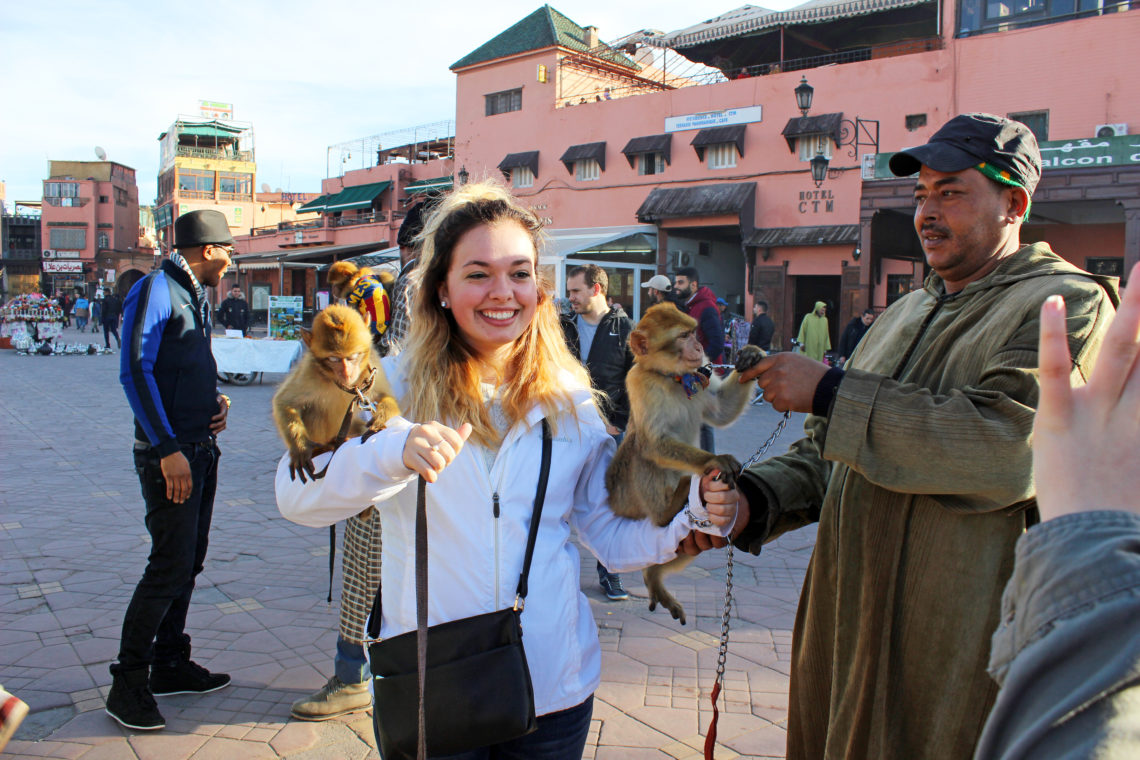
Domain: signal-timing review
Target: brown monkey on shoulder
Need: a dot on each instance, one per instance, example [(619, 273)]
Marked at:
[(669, 400), (311, 404)]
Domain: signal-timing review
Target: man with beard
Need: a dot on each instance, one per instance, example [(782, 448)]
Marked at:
[(917, 463)]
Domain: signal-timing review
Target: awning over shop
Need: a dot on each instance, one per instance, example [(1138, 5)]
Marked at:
[(358, 196), (585, 152), (823, 124), (698, 200), (311, 255), (515, 160), (316, 204), (213, 129), (774, 237), (429, 186), (376, 258), (733, 133), (569, 241), (649, 144)]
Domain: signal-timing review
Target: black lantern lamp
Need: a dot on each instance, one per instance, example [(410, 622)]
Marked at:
[(463, 175), (819, 169), (803, 96)]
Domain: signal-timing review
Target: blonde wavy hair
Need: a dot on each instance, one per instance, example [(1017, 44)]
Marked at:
[(442, 368)]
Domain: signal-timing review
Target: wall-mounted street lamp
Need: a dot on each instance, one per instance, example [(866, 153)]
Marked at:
[(857, 253), (463, 175), (819, 169), (803, 96), (859, 134)]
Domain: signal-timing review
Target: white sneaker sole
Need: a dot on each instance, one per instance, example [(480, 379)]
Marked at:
[(189, 691), (124, 724)]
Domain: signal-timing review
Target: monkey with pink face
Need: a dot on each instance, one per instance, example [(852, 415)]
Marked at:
[(669, 399)]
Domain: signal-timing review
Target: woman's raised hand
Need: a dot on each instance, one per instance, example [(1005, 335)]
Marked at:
[(432, 446), (1085, 439)]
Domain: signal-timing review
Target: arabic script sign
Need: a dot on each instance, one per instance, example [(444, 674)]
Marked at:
[(1065, 154)]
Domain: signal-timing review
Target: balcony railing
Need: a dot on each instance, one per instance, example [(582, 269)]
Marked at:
[(200, 195), (273, 229), (349, 221), (215, 154)]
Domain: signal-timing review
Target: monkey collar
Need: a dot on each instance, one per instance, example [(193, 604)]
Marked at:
[(693, 382)]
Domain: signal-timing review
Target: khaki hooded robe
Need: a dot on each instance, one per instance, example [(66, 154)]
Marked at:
[(921, 480), (813, 335)]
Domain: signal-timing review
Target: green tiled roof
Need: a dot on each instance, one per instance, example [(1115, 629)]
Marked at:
[(544, 28)]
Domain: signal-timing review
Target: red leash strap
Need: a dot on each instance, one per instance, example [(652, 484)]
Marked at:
[(710, 737)]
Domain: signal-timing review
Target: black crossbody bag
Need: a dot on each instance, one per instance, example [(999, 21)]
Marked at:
[(458, 685)]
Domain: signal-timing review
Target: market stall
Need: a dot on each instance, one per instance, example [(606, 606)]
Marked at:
[(248, 355), (29, 318)]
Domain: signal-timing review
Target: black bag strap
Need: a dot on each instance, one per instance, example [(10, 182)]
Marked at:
[(539, 499)]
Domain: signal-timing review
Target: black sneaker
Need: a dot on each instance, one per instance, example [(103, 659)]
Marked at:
[(186, 677), (611, 585), (131, 703)]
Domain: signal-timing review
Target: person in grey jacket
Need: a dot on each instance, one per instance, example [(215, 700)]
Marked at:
[(1067, 652)]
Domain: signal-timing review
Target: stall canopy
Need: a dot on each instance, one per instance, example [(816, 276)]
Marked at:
[(662, 144), (429, 186), (359, 196)]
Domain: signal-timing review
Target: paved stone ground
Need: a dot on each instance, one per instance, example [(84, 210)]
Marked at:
[(73, 545)]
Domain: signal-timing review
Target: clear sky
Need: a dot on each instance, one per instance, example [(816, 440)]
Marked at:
[(116, 73)]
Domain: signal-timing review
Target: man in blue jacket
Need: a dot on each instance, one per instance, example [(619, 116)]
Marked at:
[(169, 375)]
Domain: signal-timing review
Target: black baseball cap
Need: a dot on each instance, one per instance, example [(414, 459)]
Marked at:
[(204, 227), (1005, 146)]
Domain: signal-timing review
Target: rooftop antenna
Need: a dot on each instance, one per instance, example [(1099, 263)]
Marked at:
[(100, 153)]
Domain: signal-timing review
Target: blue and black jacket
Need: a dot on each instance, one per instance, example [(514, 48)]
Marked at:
[(167, 368)]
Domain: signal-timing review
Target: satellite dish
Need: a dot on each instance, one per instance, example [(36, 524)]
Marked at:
[(100, 153), (278, 190), (265, 187)]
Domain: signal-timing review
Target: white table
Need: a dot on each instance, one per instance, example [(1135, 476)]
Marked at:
[(255, 355)]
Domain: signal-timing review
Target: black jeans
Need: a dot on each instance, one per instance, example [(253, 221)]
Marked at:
[(560, 736), (110, 329), (153, 628)]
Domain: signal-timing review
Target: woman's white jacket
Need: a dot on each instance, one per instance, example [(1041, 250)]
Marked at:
[(477, 531)]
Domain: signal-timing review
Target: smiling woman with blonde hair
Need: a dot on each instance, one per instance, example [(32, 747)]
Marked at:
[(485, 364)]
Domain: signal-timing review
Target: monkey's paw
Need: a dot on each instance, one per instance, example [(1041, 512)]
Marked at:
[(301, 462), (668, 601), (728, 465), (749, 357)]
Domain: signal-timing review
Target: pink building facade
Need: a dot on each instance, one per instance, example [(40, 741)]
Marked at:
[(89, 223), (708, 165), (356, 214)]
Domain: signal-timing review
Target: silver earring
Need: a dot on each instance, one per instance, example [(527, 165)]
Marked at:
[(443, 304)]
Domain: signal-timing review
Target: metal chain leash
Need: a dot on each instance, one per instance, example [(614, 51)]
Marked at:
[(722, 652)]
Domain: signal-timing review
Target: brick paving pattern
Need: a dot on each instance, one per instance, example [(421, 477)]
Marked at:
[(73, 546)]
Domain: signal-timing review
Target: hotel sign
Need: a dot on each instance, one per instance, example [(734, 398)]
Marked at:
[(708, 119), (1065, 154)]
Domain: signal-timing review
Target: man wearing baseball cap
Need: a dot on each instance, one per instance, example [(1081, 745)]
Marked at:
[(170, 378), (658, 289), (917, 464)]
